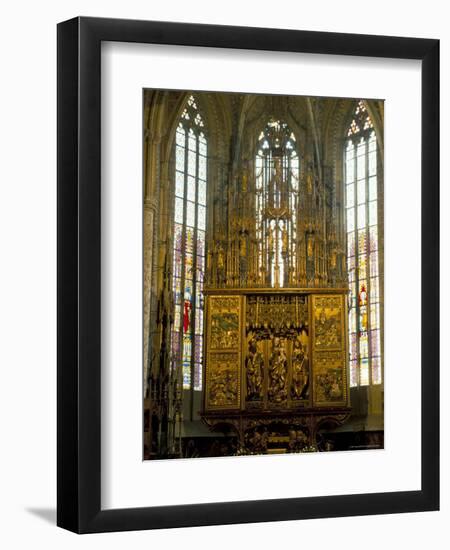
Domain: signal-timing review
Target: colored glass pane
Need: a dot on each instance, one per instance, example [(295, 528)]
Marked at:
[(202, 168), (373, 188), (372, 163), (362, 243), (179, 162), (350, 219), (191, 163), (374, 315), (191, 188), (373, 213), (189, 240), (350, 195), (201, 217), (374, 264), (376, 370), (361, 191), (178, 210), (364, 372), (375, 343), (349, 171), (202, 192), (361, 216), (179, 184), (351, 244), (190, 214), (374, 289)]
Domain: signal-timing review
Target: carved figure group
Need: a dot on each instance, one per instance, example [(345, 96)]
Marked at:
[(223, 390), (329, 386), (326, 330), (224, 331)]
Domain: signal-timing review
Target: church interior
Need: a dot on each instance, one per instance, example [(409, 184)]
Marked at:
[(263, 274)]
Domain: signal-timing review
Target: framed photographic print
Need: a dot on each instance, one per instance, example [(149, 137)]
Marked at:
[(248, 258)]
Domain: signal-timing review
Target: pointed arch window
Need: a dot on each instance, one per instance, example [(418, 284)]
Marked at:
[(361, 191), (189, 223), (276, 202)]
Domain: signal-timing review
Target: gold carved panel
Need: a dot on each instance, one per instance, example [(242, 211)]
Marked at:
[(224, 329), (222, 370), (329, 350), (329, 379), (223, 381), (328, 322), (278, 312)]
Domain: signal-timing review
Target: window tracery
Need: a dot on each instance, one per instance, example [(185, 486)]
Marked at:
[(189, 225), (361, 190)]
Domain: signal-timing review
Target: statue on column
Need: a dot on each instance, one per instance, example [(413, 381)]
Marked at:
[(243, 256), (220, 264)]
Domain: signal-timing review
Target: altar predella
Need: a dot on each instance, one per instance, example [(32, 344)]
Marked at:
[(263, 277)]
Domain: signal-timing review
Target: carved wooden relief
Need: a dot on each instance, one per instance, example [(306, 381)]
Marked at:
[(276, 312), (223, 386), (330, 384), (329, 351), (223, 362), (328, 322)]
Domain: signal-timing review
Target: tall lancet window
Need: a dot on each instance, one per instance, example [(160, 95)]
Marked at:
[(189, 245), (361, 188), (276, 203)]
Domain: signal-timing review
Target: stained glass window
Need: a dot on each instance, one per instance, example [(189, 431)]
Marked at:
[(189, 223), (362, 249)]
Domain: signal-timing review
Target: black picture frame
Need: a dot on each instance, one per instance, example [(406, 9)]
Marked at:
[(79, 281)]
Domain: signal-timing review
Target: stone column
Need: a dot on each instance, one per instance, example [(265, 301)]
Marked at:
[(150, 218), (148, 221)]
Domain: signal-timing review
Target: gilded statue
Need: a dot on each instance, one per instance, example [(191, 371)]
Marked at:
[(333, 261), (277, 372), (244, 182), (243, 245), (309, 182), (284, 240), (255, 371), (220, 264), (310, 247), (300, 371), (271, 247)]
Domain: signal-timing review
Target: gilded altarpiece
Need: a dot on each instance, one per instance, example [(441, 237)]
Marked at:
[(275, 290), (276, 366)]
